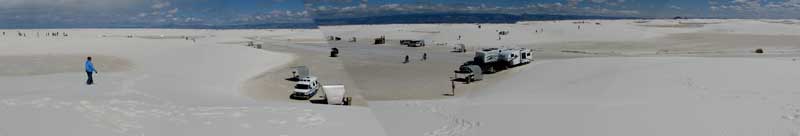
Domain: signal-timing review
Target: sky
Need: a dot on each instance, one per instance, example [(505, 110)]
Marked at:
[(143, 13), (631, 8)]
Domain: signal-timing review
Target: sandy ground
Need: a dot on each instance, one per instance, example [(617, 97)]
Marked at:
[(641, 96), (642, 77), (274, 85), (32, 65)]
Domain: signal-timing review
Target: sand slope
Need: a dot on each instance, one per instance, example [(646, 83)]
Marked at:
[(642, 96)]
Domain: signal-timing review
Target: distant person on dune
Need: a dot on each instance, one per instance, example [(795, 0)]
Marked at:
[(89, 70)]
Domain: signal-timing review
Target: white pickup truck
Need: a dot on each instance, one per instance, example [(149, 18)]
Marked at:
[(305, 88)]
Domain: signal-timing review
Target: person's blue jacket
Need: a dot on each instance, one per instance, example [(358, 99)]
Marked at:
[(90, 67)]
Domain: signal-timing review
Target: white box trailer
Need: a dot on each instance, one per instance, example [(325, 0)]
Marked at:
[(335, 95)]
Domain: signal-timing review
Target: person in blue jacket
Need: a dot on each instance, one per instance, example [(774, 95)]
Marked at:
[(89, 70)]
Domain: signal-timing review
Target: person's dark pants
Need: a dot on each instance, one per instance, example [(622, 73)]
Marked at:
[(89, 81)]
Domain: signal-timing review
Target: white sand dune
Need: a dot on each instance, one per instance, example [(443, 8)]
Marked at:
[(154, 86), (610, 77), (615, 96), (641, 96)]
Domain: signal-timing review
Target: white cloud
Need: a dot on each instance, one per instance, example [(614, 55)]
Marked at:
[(756, 8), (173, 11), (675, 7), (151, 12), (160, 4)]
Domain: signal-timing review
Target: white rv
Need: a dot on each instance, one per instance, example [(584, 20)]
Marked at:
[(515, 57), (492, 60), (511, 57)]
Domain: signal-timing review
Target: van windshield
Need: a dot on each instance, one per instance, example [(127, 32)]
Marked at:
[(302, 86)]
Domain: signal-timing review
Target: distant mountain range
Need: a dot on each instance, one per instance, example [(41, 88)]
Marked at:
[(429, 18), (249, 26)]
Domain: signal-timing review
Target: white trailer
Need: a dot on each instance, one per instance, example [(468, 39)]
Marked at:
[(335, 95)]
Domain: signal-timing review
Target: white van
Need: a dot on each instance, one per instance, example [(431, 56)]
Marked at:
[(305, 88)]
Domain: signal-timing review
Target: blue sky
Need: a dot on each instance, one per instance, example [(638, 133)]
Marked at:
[(635, 8), (66, 13)]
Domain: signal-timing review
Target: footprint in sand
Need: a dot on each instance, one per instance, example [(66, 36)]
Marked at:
[(245, 125), (10, 102)]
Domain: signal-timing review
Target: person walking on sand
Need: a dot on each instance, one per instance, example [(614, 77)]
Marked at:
[(406, 61), (453, 86), (424, 56), (89, 70)]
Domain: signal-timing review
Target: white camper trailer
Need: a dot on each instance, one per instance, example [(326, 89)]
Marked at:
[(492, 60), (515, 57), (511, 57)]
